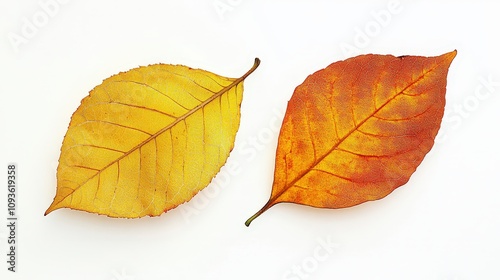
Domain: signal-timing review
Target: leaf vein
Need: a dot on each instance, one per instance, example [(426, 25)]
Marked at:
[(115, 124), (158, 91)]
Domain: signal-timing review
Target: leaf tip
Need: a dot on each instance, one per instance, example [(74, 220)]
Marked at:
[(449, 56), (47, 212), (51, 208)]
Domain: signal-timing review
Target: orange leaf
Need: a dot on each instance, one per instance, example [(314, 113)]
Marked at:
[(358, 129)]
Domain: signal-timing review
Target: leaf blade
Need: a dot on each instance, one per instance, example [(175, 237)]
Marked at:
[(145, 118), (341, 136)]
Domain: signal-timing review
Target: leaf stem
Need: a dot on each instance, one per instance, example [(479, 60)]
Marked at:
[(262, 210), (247, 223), (255, 65)]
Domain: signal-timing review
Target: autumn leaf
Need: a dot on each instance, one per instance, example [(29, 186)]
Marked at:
[(147, 140), (358, 129)]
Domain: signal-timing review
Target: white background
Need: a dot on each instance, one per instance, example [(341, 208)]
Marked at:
[(444, 224)]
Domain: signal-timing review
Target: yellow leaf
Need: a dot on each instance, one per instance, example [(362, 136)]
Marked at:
[(147, 140)]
